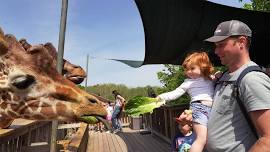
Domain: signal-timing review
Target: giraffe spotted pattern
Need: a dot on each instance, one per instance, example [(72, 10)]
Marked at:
[(31, 87)]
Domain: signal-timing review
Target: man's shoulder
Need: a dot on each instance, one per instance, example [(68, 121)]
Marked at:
[(255, 77)]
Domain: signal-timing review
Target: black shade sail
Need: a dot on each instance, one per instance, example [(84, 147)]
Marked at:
[(174, 28)]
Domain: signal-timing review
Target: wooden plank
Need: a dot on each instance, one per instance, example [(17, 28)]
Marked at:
[(100, 143), (130, 146), (67, 126), (152, 144), (164, 146), (139, 141), (40, 148), (115, 144), (110, 144), (91, 139), (79, 138), (141, 146), (126, 141), (172, 125), (106, 143), (122, 144), (161, 136), (95, 142), (18, 128), (166, 122), (119, 142)]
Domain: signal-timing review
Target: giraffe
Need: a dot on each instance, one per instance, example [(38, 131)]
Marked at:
[(31, 87), (72, 72)]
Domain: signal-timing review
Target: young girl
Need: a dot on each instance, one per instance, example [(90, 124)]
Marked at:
[(199, 86)]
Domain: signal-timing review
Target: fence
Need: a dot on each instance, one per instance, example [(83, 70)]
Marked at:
[(162, 121), (31, 136), (125, 119)]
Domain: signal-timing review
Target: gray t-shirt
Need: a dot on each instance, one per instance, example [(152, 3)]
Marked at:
[(228, 130)]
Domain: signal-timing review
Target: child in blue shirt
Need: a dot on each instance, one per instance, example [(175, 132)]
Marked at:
[(183, 141)]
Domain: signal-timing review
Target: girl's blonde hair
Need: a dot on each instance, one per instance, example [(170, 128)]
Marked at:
[(202, 60)]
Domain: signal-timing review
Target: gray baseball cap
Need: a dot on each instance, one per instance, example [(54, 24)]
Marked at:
[(229, 28)]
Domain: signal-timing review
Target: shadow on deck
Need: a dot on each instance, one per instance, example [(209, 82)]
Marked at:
[(127, 141)]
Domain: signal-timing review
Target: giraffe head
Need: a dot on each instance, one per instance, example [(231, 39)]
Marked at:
[(72, 72), (31, 88)]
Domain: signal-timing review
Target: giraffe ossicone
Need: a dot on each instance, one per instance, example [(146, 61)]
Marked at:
[(31, 87)]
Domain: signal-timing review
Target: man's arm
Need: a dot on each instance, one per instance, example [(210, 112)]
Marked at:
[(261, 120)]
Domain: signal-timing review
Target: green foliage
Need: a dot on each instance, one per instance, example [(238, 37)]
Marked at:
[(171, 78), (105, 90), (258, 5), (140, 105)]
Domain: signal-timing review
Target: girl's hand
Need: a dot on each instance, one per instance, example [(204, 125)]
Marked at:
[(157, 98)]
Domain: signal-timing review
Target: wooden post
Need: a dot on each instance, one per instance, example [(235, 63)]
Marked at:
[(166, 122), (172, 124)]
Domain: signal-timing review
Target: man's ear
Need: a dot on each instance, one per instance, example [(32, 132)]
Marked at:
[(242, 41)]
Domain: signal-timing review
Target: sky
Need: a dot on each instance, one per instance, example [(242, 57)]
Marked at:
[(103, 29)]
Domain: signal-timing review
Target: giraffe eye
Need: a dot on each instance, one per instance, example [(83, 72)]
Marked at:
[(92, 100), (23, 82)]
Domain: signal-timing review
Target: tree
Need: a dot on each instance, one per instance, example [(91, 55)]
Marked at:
[(171, 78), (258, 5)]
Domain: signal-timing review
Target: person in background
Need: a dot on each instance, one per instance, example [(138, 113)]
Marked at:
[(118, 107), (183, 141), (228, 130), (109, 110), (199, 85)]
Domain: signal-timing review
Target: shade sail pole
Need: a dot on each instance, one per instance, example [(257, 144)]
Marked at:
[(60, 54)]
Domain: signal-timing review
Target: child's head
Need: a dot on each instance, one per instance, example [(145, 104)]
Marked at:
[(185, 129), (197, 64)]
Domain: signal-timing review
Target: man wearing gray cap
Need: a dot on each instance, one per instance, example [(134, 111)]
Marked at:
[(228, 129)]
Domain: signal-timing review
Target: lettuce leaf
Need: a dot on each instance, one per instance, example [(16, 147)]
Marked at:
[(140, 105)]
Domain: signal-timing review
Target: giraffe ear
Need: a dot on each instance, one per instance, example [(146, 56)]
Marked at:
[(3, 43), (51, 50)]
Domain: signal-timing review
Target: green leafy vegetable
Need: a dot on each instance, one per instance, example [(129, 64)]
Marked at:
[(89, 119), (140, 105)]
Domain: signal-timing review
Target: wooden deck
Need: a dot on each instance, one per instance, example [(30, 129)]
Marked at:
[(127, 141)]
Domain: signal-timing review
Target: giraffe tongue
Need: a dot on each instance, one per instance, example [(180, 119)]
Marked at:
[(94, 120), (105, 122)]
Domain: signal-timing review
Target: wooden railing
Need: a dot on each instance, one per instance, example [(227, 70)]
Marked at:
[(162, 121), (31, 136), (78, 141), (23, 135), (125, 119)]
